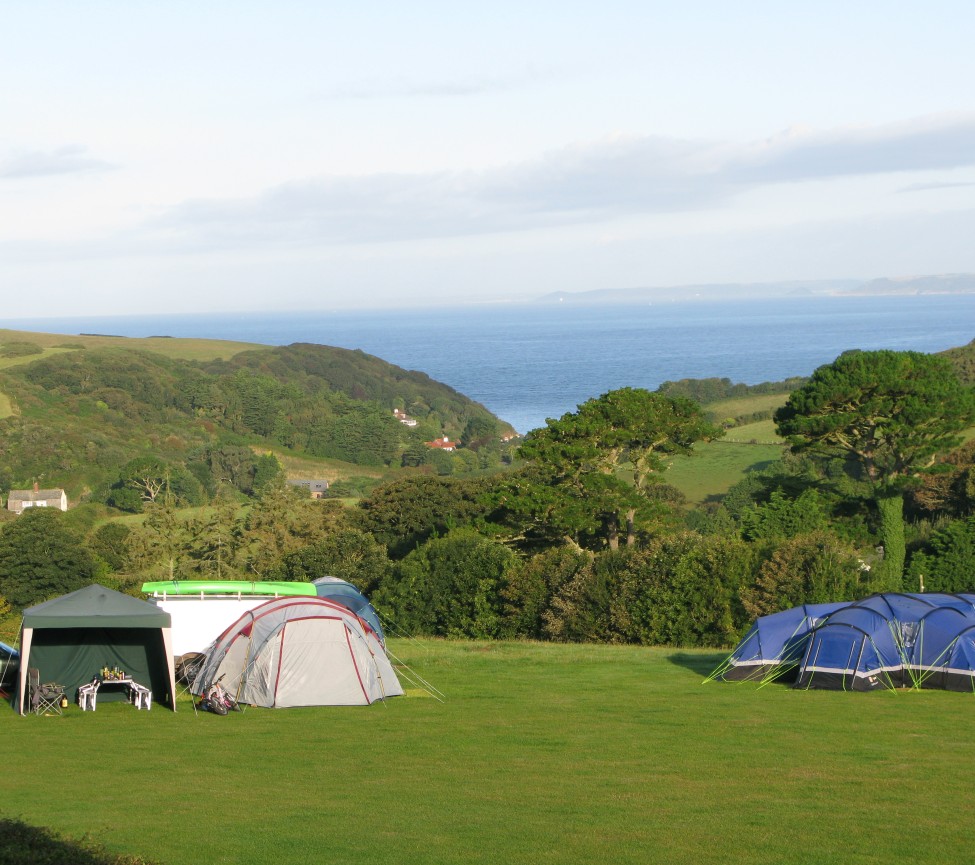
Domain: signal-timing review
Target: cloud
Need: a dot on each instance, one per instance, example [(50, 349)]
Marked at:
[(588, 183), (924, 144), (72, 159), (472, 85), (925, 187)]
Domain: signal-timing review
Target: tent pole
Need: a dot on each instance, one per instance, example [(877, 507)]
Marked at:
[(863, 643)]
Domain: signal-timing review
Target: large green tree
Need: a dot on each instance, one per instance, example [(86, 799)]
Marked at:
[(892, 415), (629, 431), (448, 587), (406, 512), (41, 558), (283, 521), (349, 554)]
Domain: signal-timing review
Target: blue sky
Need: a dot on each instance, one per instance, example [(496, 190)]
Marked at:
[(199, 157)]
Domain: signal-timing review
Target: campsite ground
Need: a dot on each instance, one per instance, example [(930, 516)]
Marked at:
[(540, 753)]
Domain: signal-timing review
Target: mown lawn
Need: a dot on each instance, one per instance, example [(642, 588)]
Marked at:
[(540, 753)]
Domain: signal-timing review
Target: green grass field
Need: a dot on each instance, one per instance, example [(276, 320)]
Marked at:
[(716, 466), (747, 404), (180, 348), (540, 754)]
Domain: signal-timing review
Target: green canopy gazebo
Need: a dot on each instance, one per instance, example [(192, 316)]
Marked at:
[(71, 638)]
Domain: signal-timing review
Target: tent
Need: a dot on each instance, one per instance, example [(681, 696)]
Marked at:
[(957, 671), (347, 595), (887, 640), (937, 657), (202, 609), (775, 644), (9, 665), (855, 649), (69, 639), (299, 651)]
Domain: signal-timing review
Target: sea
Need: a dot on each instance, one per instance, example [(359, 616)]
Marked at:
[(534, 361)]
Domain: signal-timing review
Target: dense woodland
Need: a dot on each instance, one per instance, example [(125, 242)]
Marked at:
[(178, 469)]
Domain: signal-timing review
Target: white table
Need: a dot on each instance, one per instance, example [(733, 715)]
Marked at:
[(139, 695)]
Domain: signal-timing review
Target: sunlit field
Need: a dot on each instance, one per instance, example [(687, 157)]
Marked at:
[(537, 753)]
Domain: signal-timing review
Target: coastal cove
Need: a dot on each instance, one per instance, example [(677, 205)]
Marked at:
[(529, 362)]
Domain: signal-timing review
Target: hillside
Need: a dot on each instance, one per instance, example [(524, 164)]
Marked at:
[(74, 410), (963, 360), (751, 442)]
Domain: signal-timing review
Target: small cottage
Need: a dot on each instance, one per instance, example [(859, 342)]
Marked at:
[(316, 488), (20, 500)]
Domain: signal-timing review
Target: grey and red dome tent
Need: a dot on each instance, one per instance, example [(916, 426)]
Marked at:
[(299, 651)]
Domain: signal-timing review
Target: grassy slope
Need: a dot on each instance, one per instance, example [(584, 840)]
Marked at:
[(320, 467), (541, 754), (716, 466), (181, 349), (746, 404)]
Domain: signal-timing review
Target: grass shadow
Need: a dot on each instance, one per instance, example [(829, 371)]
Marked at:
[(23, 844), (702, 664)]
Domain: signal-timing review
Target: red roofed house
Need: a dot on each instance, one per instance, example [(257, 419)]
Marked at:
[(444, 444)]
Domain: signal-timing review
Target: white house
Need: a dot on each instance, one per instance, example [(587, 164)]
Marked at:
[(19, 500)]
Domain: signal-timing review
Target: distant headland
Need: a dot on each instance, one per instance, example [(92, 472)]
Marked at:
[(949, 283)]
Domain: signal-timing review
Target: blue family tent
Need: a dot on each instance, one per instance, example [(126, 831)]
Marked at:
[(888, 640), (775, 644), (941, 632), (855, 649), (957, 672)]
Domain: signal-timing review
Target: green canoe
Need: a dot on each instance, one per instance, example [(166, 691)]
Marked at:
[(227, 587)]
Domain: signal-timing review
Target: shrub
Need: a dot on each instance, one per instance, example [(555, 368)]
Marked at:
[(813, 568), (449, 587)]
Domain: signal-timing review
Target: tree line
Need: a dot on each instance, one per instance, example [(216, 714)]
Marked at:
[(583, 539)]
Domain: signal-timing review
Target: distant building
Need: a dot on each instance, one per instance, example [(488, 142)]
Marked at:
[(19, 500), (316, 488), (444, 444), (404, 418)]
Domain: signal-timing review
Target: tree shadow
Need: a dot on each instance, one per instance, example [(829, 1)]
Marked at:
[(23, 844), (704, 664)]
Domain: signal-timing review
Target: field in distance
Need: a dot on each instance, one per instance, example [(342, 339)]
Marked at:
[(716, 466), (178, 348)]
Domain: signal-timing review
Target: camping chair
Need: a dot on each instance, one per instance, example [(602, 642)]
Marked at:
[(43, 698), (140, 696)]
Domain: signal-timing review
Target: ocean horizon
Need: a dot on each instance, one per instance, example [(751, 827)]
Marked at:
[(530, 362)]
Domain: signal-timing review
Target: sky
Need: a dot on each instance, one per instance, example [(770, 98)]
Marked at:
[(249, 156)]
